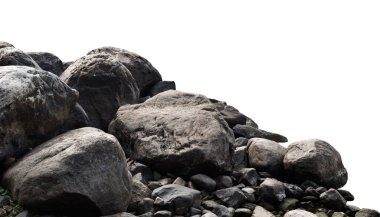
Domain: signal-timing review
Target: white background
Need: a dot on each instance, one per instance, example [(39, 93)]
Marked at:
[(305, 69)]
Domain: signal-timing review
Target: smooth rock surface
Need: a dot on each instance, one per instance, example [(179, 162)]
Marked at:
[(81, 172), (48, 62), (141, 69), (333, 200), (104, 84), (299, 213), (203, 182), (231, 197), (175, 132), (261, 212), (252, 132), (230, 114), (160, 87), (34, 107), (266, 155), (315, 160), (10, 56)]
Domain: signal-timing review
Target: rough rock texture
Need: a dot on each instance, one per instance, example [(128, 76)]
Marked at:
[(34, 106), (248, 132), (261, 212), (230, 114), (332, 199), (367, 213), (4, 44), (48, 61), (104, 84), (10, 56), (139, 192), (141, 69), (299, 213), (272, 190), (231, 197), (266, 155), (315, 160), (81, 172), (175, 132)]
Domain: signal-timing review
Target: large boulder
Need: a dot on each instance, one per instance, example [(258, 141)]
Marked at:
[(175, 132), (104, 84), (82, 172), (48, 61), (34, 106), (266, 155), (141, 69), (315, 160), (10, 56)]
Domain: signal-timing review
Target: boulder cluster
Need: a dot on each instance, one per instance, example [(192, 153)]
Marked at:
[(106, 136)]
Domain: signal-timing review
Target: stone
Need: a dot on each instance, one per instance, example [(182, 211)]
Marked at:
[(367, 213), (34, 107), (339, 214), (203, 182), (104, 84), (288, 204), (241, 141), (179, 181), (240, 158), (251, 132), (249, 193), (48, 62), (209, 214), (141, 69), (231, 197), (312, 192), (81, 172), (243, 212), (160, 87), (138, 193), (346, 194), (249, 176), (10, 56), (146, 173), (321, 214), (299, 213), (66, 65), (261, 212), (175, 132), (145, 205), (222, 211), (223, 182), (147, 214), (315, 160), (266, 155), (272, 190), (4, 44), (77, 119), (230, 114), (333, 200), (163, 213), (121, 214), (176, 196)]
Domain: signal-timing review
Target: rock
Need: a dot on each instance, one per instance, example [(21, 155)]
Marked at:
[(312, 192), (34, 107), (175, 197), (308, 183), (339, 214), (351, 210), (261, 212), (251, 132), (251, 123), (121, 214), (241, 141), (249, 176), (315, 160), (293, 191), (222, 211), (266, 155), (288, 204), (240, 158), (299, 213), (203, 182), (4, 201), (243, 212), (249, 193), (179, 181), (146, 173), (175, 132), (48, 62), (77, 119), (367, 213), (231, 197), (139, 192), (160, 87), (66, 65), (4, 44), (346, 194), (163, 213), (81, 172), (321, 214), (141, 69), (333, 200), (223, 182), (209, 214), (145, 205), (272, 190), (147, 214), (230, 114), (104, 84), (10, 56)]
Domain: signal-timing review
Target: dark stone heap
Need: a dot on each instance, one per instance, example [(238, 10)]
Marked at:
[(105, 136)]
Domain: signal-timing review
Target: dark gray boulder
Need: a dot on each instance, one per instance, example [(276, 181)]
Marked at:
[(81, 172), (248, 132), (10, 56), (34, 107), (48, 62), (231, 197), (293, 191), (160, 87), (4, 44), (104, 84), (315, 160), (230, 114), (272, 190), (333, 200), (266, 155), (175, 132), (141, 69), (138, 193), (203, 182)]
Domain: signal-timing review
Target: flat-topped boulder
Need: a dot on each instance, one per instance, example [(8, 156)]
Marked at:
[(175, 132)]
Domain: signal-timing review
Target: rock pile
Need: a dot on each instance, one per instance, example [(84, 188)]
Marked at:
[(109, 138)]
